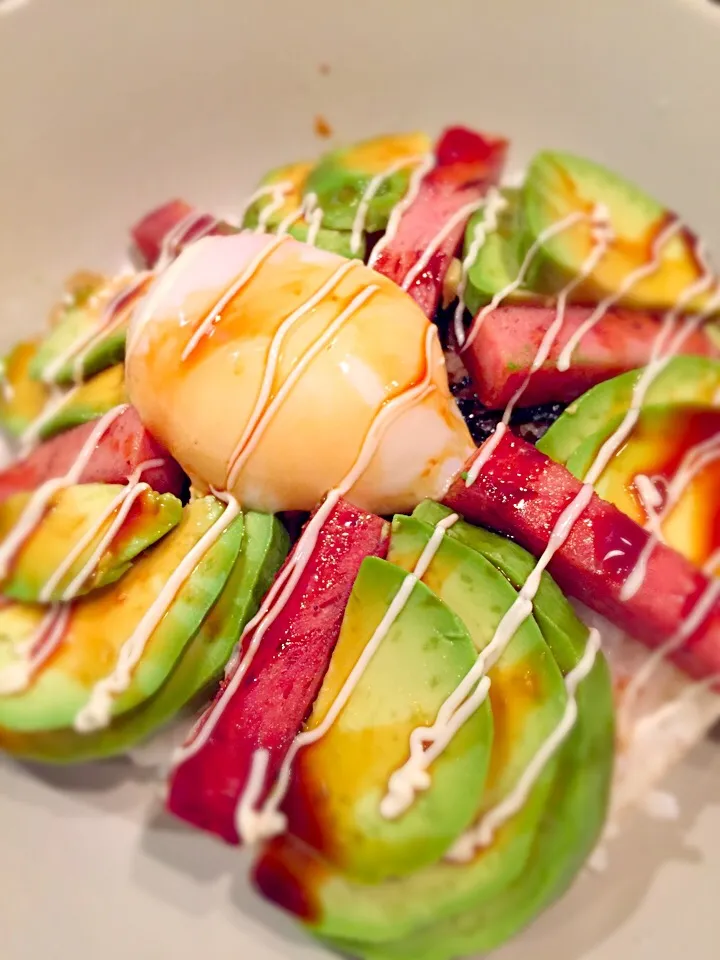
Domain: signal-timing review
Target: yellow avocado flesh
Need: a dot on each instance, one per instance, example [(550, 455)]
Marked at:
[(340, 780), (559, 185), (22, 399), (78, 520), (101, 624), (677, 451)]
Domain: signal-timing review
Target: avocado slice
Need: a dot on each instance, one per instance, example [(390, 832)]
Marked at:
[(90, 332), (293, 178), (101, 624), (663, 441), (498, 261), (77, 521), (88, 401), (22, 399), (341, 179), (684, 380), (573, 821), (552, 613), (335, 906), (559, 184), (264, 547), (340, 780)]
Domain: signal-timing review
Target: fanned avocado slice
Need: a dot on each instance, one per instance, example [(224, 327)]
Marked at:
[(264, 547), (282, 191), (286, 204), (498, 260), (71, 539), (341, 179), (86, 338), (572, 824), (101, 624), (339, 780), (431, 914), (684, 380), (22, 399), (552, 613), (88, 401), (560, 184), (663, 441)]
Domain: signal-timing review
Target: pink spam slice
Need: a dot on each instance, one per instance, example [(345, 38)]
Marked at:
[(521, 493), (275, 695), (121, 449)]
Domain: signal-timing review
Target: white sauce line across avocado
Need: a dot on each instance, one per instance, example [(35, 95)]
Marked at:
[(494, 205), (602, 236), (39, 500), (253, 825), (97, 712), (33, 652), (286, 582), (113, 314), (565, 523), (277, 200), (124, 501), (374, 184), (630, 281), (314, 215), (696, 459), (428, 743), (271, 362), (571, 220), (483, 834), (55, 402)]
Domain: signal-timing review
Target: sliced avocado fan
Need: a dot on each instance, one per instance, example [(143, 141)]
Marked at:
[(263, 548), (448, 908)]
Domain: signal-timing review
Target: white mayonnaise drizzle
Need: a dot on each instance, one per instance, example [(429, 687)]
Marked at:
[(288, 221), (269, 190), (373, 185), (571, 220), (495, 204), (55, 403), (401, 208), (277, 200), (522, 607), (447, 228), (271, 363), (114, 313), (314, 215), (245, 452), (175, 237), (602, 236), (213, 314), (428, 743), (97, 712), (253, 825), (38, 502), (627, 284), (285, 583), (122, 503), (694, 462), (33, 652), (482, 835)]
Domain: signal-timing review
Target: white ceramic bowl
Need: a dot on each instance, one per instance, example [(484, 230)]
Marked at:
[(108, 107)]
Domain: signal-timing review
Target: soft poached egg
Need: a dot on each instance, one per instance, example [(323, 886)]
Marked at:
[(276, 372)]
